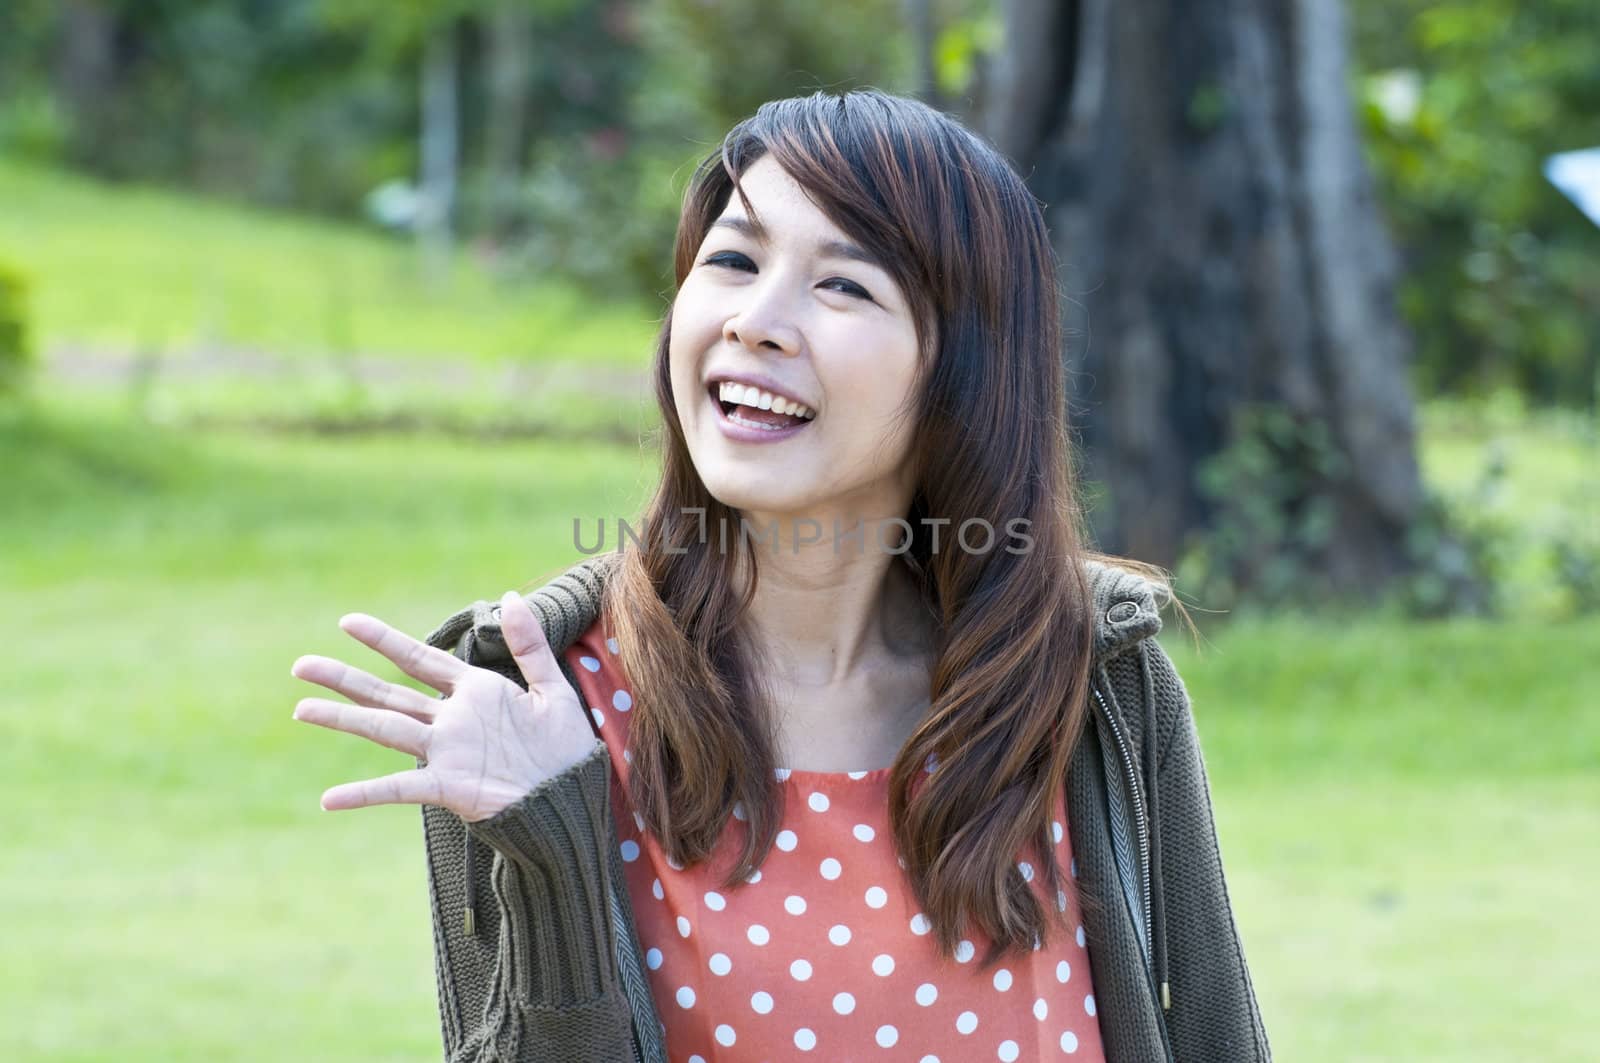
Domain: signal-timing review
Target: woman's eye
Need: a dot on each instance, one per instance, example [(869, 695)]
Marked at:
[(727, 258), (851, 288)]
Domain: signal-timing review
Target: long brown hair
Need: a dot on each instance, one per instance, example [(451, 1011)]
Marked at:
[(966, 241)]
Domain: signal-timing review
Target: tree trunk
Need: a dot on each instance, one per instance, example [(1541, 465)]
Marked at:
[(85, 74), (510, 77), (923, 37), (440, 151), (1221, 250)]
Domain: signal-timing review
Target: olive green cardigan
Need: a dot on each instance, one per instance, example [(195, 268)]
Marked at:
[(537, 956)]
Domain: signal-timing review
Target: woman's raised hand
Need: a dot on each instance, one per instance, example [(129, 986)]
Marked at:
[(484, 746)]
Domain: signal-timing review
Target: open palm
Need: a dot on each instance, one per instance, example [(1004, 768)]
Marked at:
[(484, 746)]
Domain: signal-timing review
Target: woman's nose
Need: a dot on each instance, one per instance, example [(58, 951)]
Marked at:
[(763, 321)]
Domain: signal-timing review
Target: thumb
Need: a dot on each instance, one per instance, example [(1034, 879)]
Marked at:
[(525, 639)]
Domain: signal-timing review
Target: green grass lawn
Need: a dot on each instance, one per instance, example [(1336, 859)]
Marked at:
[(1406, 810), (118, 268)]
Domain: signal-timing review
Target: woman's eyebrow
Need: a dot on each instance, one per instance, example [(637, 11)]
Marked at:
[(828, 248)]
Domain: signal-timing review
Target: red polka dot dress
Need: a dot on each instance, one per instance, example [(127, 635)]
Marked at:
[(822, 952)]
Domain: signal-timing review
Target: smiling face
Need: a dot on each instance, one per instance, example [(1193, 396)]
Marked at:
[(794, 306)]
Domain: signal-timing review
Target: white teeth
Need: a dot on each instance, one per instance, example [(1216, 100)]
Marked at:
[(741, 395)]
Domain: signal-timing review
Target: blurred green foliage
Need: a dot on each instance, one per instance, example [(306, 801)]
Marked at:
[(1464, 99), (315, 103), (16, 341), (1509, 523)]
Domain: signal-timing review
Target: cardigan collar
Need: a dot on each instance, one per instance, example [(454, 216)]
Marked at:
[(1127, 610)]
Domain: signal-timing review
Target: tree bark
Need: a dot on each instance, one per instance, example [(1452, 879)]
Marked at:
[(1221, 249)]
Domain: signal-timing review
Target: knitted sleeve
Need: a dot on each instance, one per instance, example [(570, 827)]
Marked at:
[(1214, 1013), (530, 973)]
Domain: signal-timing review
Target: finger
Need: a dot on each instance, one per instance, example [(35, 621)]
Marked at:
[(363, 687), (415, 787), (417, 659), (525, 639), (392, 729)]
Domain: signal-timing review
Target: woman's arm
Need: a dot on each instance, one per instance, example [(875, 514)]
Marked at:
[(1214, 1013), (535, 978)]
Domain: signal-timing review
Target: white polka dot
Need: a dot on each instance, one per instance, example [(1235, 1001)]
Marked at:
[(780, 773), (1002, 979), (622, 701), (928, 1059), (963, 951), (590, 663), (844, 1003), (673, 863), (755, 876), (877, 897), (1069, 1041), (1063, 971), (1074, 867), (920, 924), (856, 774), (794, 904), (1080, 936), (630, 850), (818, 801), (1061, 901), (800, 970), (1040, 1009), (714, 901), (758, 934), (696, 1058), (761, 1002), (738, 810), (887, 1035), (725, 1034), (1055, 830), (804, 1039), (685, 997), (719, 963), (652, 959), (599, 720), (627, 756), (927, 993), (901, 861), (932, 763), (863, 832), (1009, 1051), (1088, 1004), (839, 934), (655, 888), (611, 644), (638, 821), (883, 964), (683, 927), (829, 868), (1036, 942), (966, 1022), (1027, 871), (786, 840)]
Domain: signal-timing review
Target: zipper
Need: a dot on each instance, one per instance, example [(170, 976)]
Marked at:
[(1142, 829)]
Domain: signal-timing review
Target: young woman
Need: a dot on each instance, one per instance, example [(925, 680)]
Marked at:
[(854, 750)]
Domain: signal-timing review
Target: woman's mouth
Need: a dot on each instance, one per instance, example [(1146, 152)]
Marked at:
[(749, 423)]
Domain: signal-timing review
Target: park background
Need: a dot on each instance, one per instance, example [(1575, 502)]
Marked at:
[(314, 306)]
